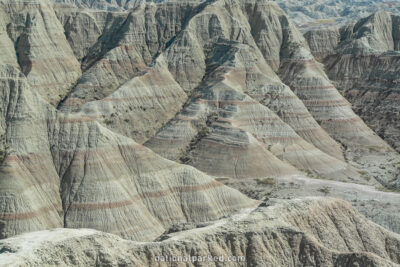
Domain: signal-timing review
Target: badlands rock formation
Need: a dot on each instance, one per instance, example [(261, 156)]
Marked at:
[(68, 170), (382, 208), (111, 5), (128, 120), (369, 50), (301, 232), (317, 14), (34, 41), (306, 14)]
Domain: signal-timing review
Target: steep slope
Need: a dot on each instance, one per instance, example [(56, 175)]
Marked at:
[(83, 29), (222, 115), (152, 96), (29, 186), (323, 42), (311, 231), (43, 53), (375, 204), (370, 58), (306, 77), (226, 86), (191, 58), (317, 14), (368, 50), (110, 5), (67, 170), (128, 43)]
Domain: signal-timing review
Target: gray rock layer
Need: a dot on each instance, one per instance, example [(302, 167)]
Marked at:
[(68, 170), (300, 232), (362, 59), (120, 121)]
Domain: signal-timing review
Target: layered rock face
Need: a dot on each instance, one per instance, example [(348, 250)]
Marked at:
[(382, 208), (67, 170), (30, 198), (312, 232), (200, 50), (127, 121), (368, 50), (317, 14), (34, 35), (110, 5), (121, 45)]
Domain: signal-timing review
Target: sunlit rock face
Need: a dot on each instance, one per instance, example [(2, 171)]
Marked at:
[(362, 60), (310, 231), (32, 32), (133, 117)]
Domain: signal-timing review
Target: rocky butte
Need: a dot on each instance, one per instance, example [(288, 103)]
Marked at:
[(132, 130)]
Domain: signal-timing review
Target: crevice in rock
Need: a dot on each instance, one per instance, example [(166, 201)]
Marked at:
[(203, 129)]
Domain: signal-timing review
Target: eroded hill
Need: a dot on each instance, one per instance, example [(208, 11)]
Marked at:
[(139, 122)]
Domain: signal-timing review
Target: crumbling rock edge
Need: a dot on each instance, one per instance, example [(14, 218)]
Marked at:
[(304, 231)]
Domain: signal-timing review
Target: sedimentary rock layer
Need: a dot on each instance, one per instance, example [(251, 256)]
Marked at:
[(43, 53), (309, 231), (363, 64), (68, 170), (227, 86), (319, 14), (221, 92), (126, 43)]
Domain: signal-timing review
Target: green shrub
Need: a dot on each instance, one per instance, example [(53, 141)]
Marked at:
[(203, 132), (324, 190), (108, 121), (3, 154), (384, 189), (266, 181), (185, 159)]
